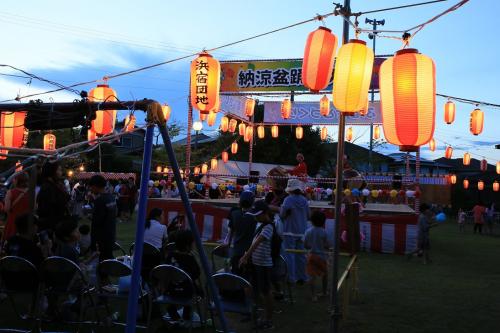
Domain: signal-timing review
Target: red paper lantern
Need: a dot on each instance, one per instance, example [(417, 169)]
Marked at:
[(225, 156), (453, 179), (299, 132), (484, 165), (480, 185), (448, 152), (319, 55), (324, 106), (166, 110), (104, 122), (242, 129), (248, 134), (232, 125), (324, 133), (432, 144), (213, 164), (476, 121), (496, 186), (91, 135), (204, 168), (249, 106), (408, 99), (466, 159), (224, 124), (234, 148), (196, 171), (275, 131), (205, 83), (286, 108), (449, 112), (12, 131), (129, 123), (49, 141), (466, 183)]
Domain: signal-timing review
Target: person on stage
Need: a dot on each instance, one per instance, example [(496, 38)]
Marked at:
[(301, 169)]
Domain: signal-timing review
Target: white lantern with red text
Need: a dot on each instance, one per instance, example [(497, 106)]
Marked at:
[(49, 141)]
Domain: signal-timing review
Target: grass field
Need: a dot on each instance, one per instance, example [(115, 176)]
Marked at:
[(458, 292)]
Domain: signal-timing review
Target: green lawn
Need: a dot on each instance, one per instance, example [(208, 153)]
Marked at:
[(458, 292)]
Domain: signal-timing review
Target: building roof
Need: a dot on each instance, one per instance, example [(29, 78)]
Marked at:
[(353, 149), (202, 138), (456, 164)]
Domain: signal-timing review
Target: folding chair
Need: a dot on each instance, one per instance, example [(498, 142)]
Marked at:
[(235, 294), (151, 257), (110, 288), (279, 274), (62, 277), (221, 251), (170, 285), (18, 277)]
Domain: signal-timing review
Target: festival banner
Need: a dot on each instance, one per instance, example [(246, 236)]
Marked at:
[(271, 75), (307, 113)]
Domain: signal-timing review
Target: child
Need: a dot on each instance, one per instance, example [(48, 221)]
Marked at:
[(461, 220), (260, 252), (316, 242), (84, 242)]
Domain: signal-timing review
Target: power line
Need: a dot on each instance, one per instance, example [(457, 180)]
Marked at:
[(397, 7)]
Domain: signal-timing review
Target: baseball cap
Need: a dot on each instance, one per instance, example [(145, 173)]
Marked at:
[(248, 197), (259, 207)]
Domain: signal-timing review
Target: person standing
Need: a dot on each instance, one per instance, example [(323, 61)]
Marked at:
[(424, 225), (490, 217), (132, 192), (478, 212), (103, 227), (16, 204), (295, 213), (461, 220)]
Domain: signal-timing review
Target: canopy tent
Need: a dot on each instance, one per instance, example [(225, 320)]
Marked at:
[(226, 172)]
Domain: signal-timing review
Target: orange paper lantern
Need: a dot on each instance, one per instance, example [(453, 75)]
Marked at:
[(234, 148), (166, 110), (211, 118), (324, 133), (49, 141), (352, 77), (376, 132), (498, 167), (449, 112), (480, 185), (453, 179), (249, 106), (476, 121), (205, 83), (484, 165), (448, 152), (319, 55), (496, 186), (324, 106), (232, 125), (432, 144), (104, 122), (242, 129), (349, 134), (225, 156), (274, 131), (213, 164), (158, 168), (91, 135), (299, 132), (224, 124), (165, 170), (248, 134), (129, 123), (466, 159), (12, 131), (196, 171), (204, 168), (364, 111), (408, 99), (261, 132), (286, 108), (466, 183)]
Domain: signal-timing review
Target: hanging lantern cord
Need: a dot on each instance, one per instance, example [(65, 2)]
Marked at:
[(406, 39), (321, 18)]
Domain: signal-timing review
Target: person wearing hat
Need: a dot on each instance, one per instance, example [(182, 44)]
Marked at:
[(260, 253), (241, 231), (294, 213), (153, 191)]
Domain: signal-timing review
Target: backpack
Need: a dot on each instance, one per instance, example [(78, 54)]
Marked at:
[(276, 241)]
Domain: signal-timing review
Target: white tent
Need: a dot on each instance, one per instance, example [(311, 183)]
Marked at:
[(239, 169)]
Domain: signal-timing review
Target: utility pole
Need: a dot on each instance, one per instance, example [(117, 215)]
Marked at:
[(373, 36)]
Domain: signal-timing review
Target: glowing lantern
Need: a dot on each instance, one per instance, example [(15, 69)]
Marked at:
[(203, 116), (275, 131), (129, 123), (211, 118), (234, 148), (480, 185), (349, 134), (466, 183), (165, 108), (364, 111), (498, 167), (213, 164), (376, 132), (352, 77), (476, 121), (286, 108), (104, 122), (319, 54), (448, 152), (408, 99), (324, 133), (496, 186), (224, 124), (91, 136), (453, 179), (242, 129), (196, 171), (12, 130), (205, 83), (432, 144), (261, 132), (449, 112), (299, 132), (225, 156), (165, 170), (204, 168), (248, 134), (216, 108), (49, 141), (158, 168), (249, 106), (81, 168), (484, 165), (324, 106), (466, 159), (232, 125)]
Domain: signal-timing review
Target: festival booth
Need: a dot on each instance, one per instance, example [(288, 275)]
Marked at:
[(106, 175)]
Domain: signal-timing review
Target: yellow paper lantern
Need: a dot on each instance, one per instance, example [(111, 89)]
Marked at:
[(453, 179), (196, 171), (448, 153), (274, 131), (249, 106), (466, 183), (408, 99), (286, 108), (496, 186), (352, 76), (211, 118), (166, 110), (324, 133), (376, 132), (224, 124), (480, 185), (165, 170), (466, 159), (242, 129), (49, 141), (248, 134), (432, 144), (299, 132), (204, 168), (232, 125), (349, 134), (225, 156), (234, 148), (324, 106), (158, 168), (205, 83), (261, 132), (449, 112), (476, 121), (213, 164)]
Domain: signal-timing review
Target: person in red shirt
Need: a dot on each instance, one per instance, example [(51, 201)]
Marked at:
[(301, 169), (479, 211)]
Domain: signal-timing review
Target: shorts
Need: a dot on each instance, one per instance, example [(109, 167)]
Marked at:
[(262, 279), (316, 265)]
